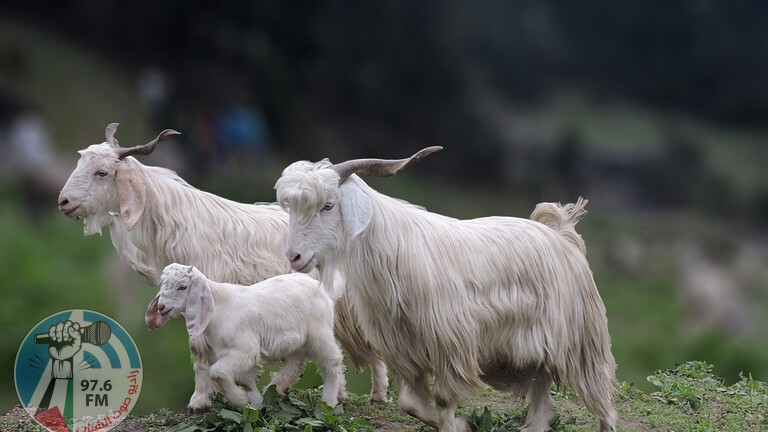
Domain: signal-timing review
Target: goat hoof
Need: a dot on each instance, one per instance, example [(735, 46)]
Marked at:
[(378, 398), (198, 411)]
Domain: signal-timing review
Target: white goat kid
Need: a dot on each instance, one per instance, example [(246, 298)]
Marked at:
[(155, 218), (504, 301), (232, 328)]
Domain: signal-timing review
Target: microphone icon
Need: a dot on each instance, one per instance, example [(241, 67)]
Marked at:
[(97, 333)]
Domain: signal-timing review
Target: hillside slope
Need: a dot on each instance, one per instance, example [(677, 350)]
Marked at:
[(689, 398)]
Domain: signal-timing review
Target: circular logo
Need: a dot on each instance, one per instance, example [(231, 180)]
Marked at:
[(78, 371)]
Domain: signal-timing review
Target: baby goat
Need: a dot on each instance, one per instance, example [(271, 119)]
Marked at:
[(233, 327)]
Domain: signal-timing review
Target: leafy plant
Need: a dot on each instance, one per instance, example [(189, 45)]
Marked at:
[(494, 421), (482, 422), (702, 401), (679, 385), (306, 413), (755, 391)]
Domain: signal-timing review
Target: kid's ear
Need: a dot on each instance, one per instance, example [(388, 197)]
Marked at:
[(199, 310), (356, 209), (131, 193)]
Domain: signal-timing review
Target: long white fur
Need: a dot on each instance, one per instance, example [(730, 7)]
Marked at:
[(228, 241), (504, 301), (233, 328), (232, 242)]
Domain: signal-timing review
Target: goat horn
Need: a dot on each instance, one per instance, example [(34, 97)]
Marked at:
[(109, 133), (379, 167), (148, 147)]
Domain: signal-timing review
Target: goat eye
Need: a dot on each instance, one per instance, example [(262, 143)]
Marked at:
[(101, 173), (327, 206), (182, 288)]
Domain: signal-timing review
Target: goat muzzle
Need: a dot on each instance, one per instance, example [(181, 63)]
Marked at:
[(153, 318)]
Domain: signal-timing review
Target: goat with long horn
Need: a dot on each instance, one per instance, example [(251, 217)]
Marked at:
[(107, 162), (500, 301)]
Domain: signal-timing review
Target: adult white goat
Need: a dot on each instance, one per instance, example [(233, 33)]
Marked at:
[(505, 301), (155, 218), (232, 328)]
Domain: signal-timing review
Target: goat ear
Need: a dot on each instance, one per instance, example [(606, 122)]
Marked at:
[(356, 209), (199, 309), (131, 193)]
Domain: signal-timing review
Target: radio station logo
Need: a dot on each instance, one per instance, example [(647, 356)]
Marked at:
[(78, 371)]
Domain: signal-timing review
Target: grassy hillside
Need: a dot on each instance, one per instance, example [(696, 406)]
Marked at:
[(688, 398)]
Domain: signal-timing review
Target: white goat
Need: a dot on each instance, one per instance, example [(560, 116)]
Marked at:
[(155, 218), (504, 301), (232, 328)]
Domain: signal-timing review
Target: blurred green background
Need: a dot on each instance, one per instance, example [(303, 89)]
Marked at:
[(655, 111)]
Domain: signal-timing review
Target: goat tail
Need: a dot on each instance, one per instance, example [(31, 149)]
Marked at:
[(590, 369), (563, 219)]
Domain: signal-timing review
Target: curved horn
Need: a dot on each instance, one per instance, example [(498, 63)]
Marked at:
[(148, 147), (109, 133), (379, 167)]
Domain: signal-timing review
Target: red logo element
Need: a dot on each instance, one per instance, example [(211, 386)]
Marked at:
[(53, 420)]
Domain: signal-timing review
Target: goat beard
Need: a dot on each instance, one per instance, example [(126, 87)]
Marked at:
[(94, 224), (327, 278)]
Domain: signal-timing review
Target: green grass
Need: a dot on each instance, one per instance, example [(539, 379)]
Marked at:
[(687, 398)]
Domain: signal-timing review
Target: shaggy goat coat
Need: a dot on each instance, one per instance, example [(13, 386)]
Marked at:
[(233, 242), (483, 300)]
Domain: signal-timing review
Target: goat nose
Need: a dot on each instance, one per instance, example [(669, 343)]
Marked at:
[(161, 307), (293, 256), (63, 200)]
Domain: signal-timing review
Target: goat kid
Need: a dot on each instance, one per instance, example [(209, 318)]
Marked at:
[(232, 328)]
